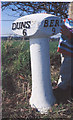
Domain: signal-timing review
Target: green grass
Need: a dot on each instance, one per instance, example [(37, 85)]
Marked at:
[(16, 61), (16, 72), (53, 47), (16, 56)]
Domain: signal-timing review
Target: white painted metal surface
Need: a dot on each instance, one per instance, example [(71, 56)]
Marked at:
[(42, 95), (39, 27)]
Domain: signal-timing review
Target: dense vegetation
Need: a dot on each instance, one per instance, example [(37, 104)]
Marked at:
[(16, 82)]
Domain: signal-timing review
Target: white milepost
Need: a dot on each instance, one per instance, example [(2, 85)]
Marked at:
[(39, 28)]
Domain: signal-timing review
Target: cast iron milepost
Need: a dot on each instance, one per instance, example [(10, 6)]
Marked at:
[(39, 28)]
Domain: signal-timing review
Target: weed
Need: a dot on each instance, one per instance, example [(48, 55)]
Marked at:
[(16, 81)]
